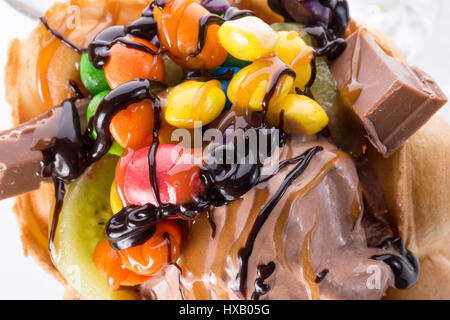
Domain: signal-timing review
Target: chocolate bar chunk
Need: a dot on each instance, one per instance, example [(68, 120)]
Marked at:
[(20, 158), (392, 99)]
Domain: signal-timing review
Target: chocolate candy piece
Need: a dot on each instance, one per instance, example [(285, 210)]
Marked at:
[(392, 99), (19, 157)]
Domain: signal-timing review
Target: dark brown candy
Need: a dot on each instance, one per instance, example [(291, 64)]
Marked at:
[(392, 99)]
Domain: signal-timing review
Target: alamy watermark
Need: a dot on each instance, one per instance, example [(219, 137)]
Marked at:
[(250, 146), (73, 20)]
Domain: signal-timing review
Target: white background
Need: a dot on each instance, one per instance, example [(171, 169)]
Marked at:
[(426, 43)]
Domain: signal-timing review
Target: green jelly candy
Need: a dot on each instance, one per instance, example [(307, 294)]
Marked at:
[(299, 28), (235, 62), (116, 149), (93, 79), (174, 73), (93, 105), (344, 130)]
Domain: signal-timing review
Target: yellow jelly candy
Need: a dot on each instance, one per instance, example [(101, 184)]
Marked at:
[(194, 104), (248, 38), (250, 87), (116, 204), (302, 115), (292, 50)]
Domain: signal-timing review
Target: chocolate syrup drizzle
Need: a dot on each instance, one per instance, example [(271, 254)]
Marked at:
[(245, 252), (284, 71), (72, 151), (332, 50), (145, 28), (264, 272), (61, 37), (404, 266), (171, 262), (66, 140), (64, 158), (212, 223), (204, 76), (321, 275), (76, 90), (330, 46)]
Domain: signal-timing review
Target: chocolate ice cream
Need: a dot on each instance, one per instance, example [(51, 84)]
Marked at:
[(312, 246)]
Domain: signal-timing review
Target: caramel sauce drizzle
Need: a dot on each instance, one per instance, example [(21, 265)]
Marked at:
[(307, 269), (357, 209), (58, 38), (45, 57)]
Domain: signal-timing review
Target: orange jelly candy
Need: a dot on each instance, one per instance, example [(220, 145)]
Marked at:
[(178, 32), (133, 127), (109, 263), (161, 249), (126, 64)]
